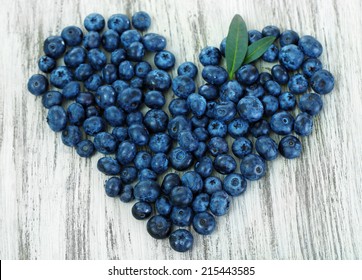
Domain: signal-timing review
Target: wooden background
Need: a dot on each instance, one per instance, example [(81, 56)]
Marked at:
[(53, 204)]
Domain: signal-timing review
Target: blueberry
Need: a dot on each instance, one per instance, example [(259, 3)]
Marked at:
[(54, 47), (234, 184), (197, 104), (280, 74), (310, 46), (141, 210), (154, 99), (209, 92), (224, 164), (142, 69), (126, 194), (223, 111), (52, 98), (121, 133), (303, 124), (287, 101), (180, 159), (178, 106), (266, 147), (200, 122), (254, 35), (164, 60), (264, 77), (223, 46), (113, 186), (110, 40), (271, 54), (181, 196), (118, 56), (250, 109), (201, 203), (154, 42), (83, 72), (271, 30), (130, 36), (322, 82), (311, 103), (201, 134), (288, 37), (147, 191), (159, 227), (130, 99), (298, 84), (97, 59), (138, 134), (217, 128), (260, 128), (181, 216), (136, 51), (119, 23), (61, 76), (105, 143), (94, 22), (141, 21), (219, 203), (92, 40), (181, 240), (188, 141), (253, 167), (94, 125), (183, 86), (74, 57), (241, 147), (46, 64), (126, 152), (158, 80), (76, 114), (290, 147), (231, 91), (92, 111), (192, 181), (163, 206), (147, 174), (126, 70), (93, 82), (134, 118), (176, 125), (273, 88), (255, 90), (128, 174), (105, 96), (108, 166), (160, 143), (210, 56), (85, 148), (200, 151), (170, 181), (159, 163), (247, 74), (212, 184), (142, 160), (204, 223), (217, 145), (214, 75), (271, 104), (114, 116), (136, 82), (85, 98), (310, 66), (282, 123), (71, 135), (156, 121), (187, 69), (110, 73), (238, 127), (57, 118), (291, 57)]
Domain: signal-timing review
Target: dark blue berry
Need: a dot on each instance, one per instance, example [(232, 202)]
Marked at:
[(61, 76), (94, 125), (204, 223), (273, 88), (147, 191), (197, 104), (71, 135), (92, 40), (159, 227), (303, 124), (136, 51), (121, 133), (160, 143), (254, 35), (114, 116), (134, 118), (130, 99), (141, 21), (200, 122), (54, 46), (147, 174), (201, 134), (192, 181), (97, 59), (113, 186), (217, 128), (85, 148), (76, 114), (310, 46), (93, 82), (108, 166), (126, 194), (83, 72), (187, 69), (183, 86), (126, 152), (72, 35), (271, 104), (159, 163), (163, 206), (156, 121), (214, 75), (238, 127), (250, 109), (52, 98), (181, 196), (57, 118), (223, 46), (217, 145), (170, 181), (282, 123), (264, 77), (224, 164), (105, 143), (255, 90), (247, 74), (180, 159), (322, 82), (94, 22), (154, 99), (154, 42), (164, 60), (210, 56), (266, 147), (212, 184), (141, 210), (46, 64), (260, 128), (200, 151), (298, 84), (75, 57), (176, 125), (290, 147), (142, 160), (138, 134), (119, 23), (231, 91), (311, 103), (291, 57), (178, 106), (158, 80), (310, 66), (110, 73), (219, 203), (253, 167), (204, 167), (142, 69), (85, 98), (201, 203), (118, 56), (271, 54), (242, 147), (188, 141), (287, 101), (130, 36), (126, 70), (209, 92), (181, 240), (280, 74), (181, 216), (234, 184), (271, 30), (288, 37)]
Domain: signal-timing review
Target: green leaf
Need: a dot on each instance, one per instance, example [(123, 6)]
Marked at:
[(258, 48), (236, 44)]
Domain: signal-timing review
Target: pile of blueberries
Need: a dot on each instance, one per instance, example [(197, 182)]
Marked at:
[(96, 99)]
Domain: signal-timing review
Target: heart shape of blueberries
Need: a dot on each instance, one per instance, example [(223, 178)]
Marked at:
[(104, 96)]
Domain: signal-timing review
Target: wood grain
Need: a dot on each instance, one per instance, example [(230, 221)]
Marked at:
[(53, 204)]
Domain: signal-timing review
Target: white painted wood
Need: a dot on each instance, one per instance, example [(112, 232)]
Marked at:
[(52, 202)]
